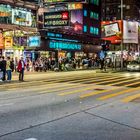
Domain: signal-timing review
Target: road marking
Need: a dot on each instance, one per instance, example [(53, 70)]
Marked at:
[(1, 105), (130, 98), (98, 92), (92, 78), (111, 80), (63, 88), (118, 93), (75, 91), (135, 83), (122, 82), (31, 139)]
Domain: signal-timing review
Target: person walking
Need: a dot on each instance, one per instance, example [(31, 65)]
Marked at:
[(3, 65), (8, 69), (21, 68)]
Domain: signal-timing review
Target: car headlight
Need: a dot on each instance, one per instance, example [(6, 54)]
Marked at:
[(128, 66), (137, 66)]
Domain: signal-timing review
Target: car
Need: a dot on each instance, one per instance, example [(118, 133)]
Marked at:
[(133, 66)]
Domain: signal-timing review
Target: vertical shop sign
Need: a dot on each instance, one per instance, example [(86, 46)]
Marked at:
[(8, 42), (1, 41)]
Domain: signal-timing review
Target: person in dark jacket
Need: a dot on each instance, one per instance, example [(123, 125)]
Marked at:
[(0, 63), (3, 66)]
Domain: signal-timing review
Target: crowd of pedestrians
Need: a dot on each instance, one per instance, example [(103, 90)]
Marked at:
[(42, 64), (8, 65)]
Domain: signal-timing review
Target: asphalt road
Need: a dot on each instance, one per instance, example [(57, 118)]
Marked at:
[(79, 105)]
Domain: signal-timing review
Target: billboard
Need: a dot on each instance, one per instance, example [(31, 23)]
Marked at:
[(54, 19), (34, 41), (21, 17), (77, 21), (112, 31), (130, 34)]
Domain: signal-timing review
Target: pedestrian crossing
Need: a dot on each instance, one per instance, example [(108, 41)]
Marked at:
[(98, 86)]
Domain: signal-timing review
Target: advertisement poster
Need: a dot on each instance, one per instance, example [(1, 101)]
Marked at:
[(55, 19), (8, 43), (21, 17), (34, 41), (130, 34), (112, 31), (76, 21)]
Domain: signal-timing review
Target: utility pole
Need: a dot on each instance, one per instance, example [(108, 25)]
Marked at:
[(122, 36)]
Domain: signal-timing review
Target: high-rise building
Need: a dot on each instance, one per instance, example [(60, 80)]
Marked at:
[(111, 9)]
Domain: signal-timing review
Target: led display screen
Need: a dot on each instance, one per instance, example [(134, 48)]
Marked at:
[(56, 19), (64, 45), (34, 41), (21, 17), (76, 22)]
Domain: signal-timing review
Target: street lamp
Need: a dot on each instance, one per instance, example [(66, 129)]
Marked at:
[(122, 36)]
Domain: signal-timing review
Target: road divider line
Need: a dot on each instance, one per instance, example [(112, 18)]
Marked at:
[(110, 80), (92, 78), (98, 92), (131, 98), (9, 104), (118, 93), (131, 84), (121, 82), (79, 90), (63, 88)]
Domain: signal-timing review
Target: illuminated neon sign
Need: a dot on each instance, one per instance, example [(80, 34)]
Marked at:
[(50, 34), (56, 19), (64, 45)]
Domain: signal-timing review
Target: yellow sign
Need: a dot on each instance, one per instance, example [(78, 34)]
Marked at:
[(75, 6), (8, 43), (1, 41)]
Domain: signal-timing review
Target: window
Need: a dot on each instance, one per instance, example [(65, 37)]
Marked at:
[(96, 2), (85, 13), (94, 15), (85, 28), (94, 30), (91, 30)]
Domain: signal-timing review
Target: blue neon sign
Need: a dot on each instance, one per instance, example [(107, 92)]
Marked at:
[(34, 41), (64, 45), (50, 34)]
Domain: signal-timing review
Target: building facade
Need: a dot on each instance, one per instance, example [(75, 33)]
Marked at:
[(111, 10)]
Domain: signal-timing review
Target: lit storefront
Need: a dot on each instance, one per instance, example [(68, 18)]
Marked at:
[(16, 24)]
